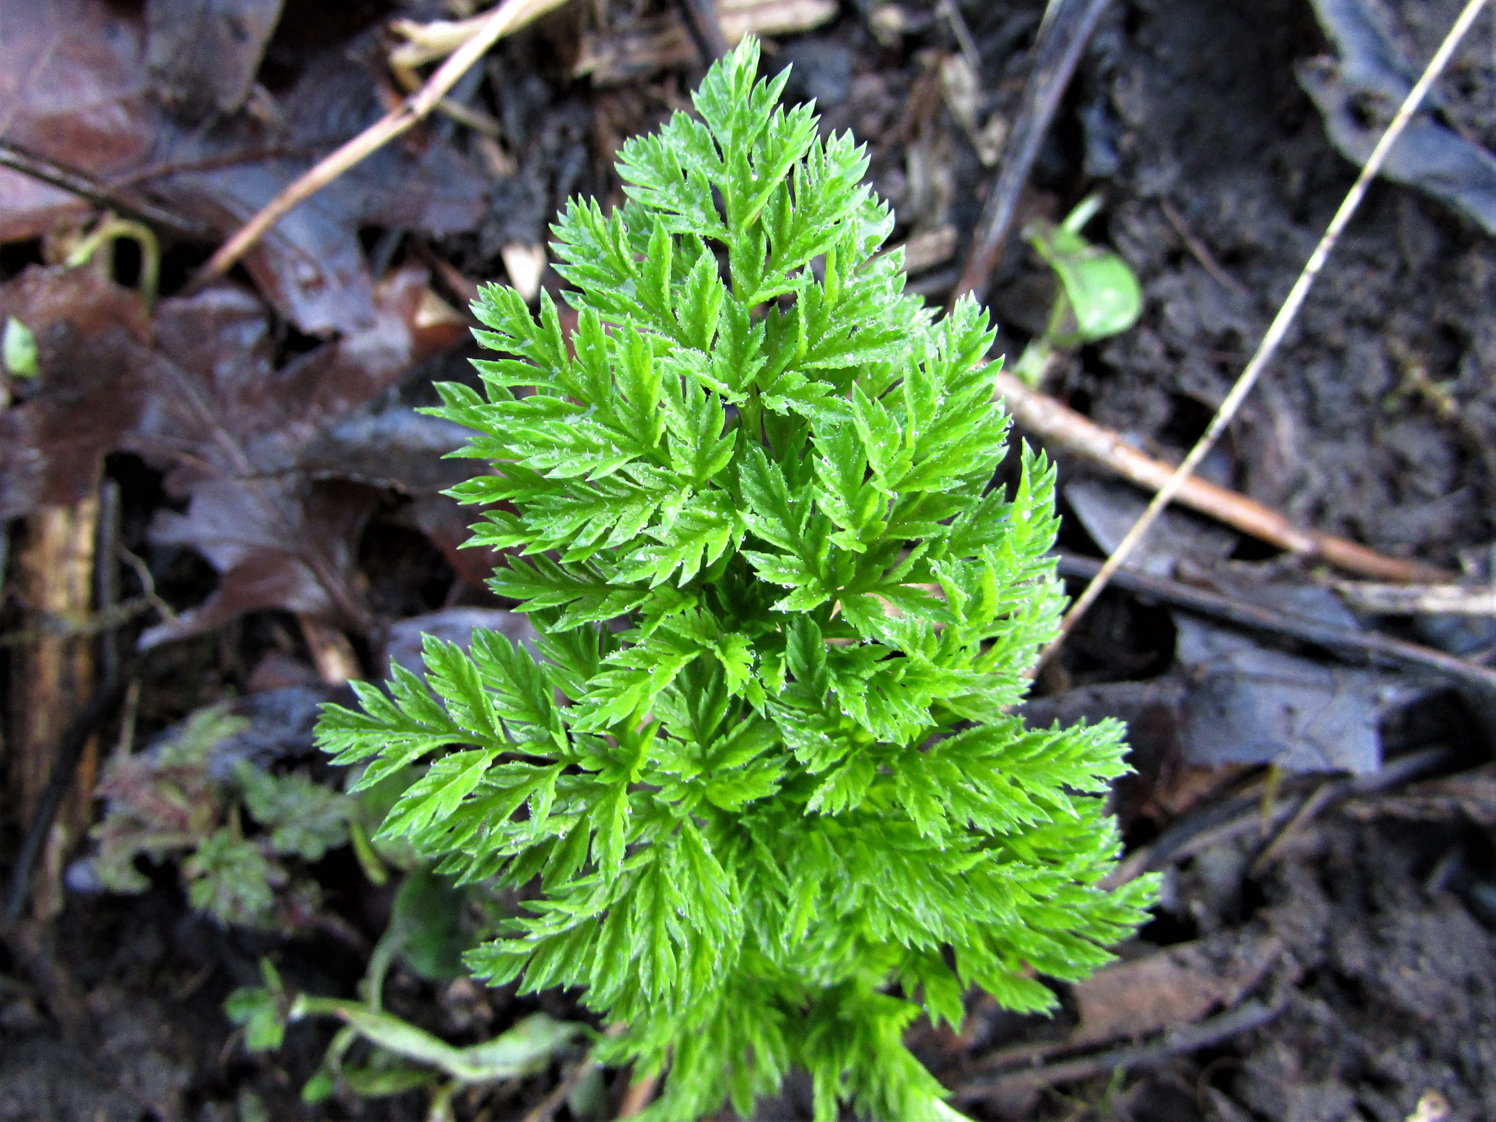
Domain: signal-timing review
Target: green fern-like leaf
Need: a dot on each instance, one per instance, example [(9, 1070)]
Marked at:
[(762, 766)]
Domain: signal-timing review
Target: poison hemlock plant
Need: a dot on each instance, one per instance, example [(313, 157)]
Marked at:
[(763, 767)]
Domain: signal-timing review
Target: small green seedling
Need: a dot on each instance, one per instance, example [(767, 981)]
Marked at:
[(761, 787), (97, 246), (261, 1010), (1097, 296), (429, 928), (407, 1057), (244, 843), (18, 350)]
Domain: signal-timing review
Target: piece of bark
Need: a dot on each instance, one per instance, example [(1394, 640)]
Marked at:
[(52, 678)]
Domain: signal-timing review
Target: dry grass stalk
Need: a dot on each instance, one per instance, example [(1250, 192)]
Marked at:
[(494, 25), (1419, 599)]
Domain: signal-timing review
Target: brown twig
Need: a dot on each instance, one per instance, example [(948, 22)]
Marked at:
[(1277, 330), (448, 276), (1063, 36), (1323, 795), (548, 1106), (53, 626), (1174, 1042), (223, 160), (704, 23), (1060, 426), (147, 584), (509, 16), (332, 653), (638, 1095), (1378, 648), (1242, 812), (948, 10), (75, 739), (75, 182), (106, 577), (546, 1109)]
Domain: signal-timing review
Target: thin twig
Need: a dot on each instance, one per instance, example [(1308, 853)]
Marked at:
[(69, 627), (704, 22), (1323, 795), (75, 739), (1277, 330), (1173, 1042), (1061, 40), (142, 573), (1379, 648), (952, 15), (546, 1109), (638, 1095), (508, 16), (104, 195), (1209, 825), (106, 571), (237, 158), (1056, 424)]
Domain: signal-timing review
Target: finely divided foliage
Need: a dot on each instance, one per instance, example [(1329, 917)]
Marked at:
[(761, 762)]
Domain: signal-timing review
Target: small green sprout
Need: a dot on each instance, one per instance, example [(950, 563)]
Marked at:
[(261, 1010), (244, 841), (18, 350), (103, 236), (1098, 295)]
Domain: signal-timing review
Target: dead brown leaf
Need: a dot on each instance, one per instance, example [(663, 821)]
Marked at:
[(1175, 986), (204, 401), (204, 53), (230, 429), (91, 338)]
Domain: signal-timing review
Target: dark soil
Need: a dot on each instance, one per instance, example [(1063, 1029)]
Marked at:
[(1377, 421)]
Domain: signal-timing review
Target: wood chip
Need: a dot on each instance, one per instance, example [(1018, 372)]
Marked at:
[(1419, 599), (525, 264)]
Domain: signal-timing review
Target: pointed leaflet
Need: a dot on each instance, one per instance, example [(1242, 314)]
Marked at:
[(698, 447), (700, 303), (772, 514), (672, 172), (694, 539), (853, 502), (586, 594)]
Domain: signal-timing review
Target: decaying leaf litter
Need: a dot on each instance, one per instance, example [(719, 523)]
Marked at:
[(1324, 942)]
